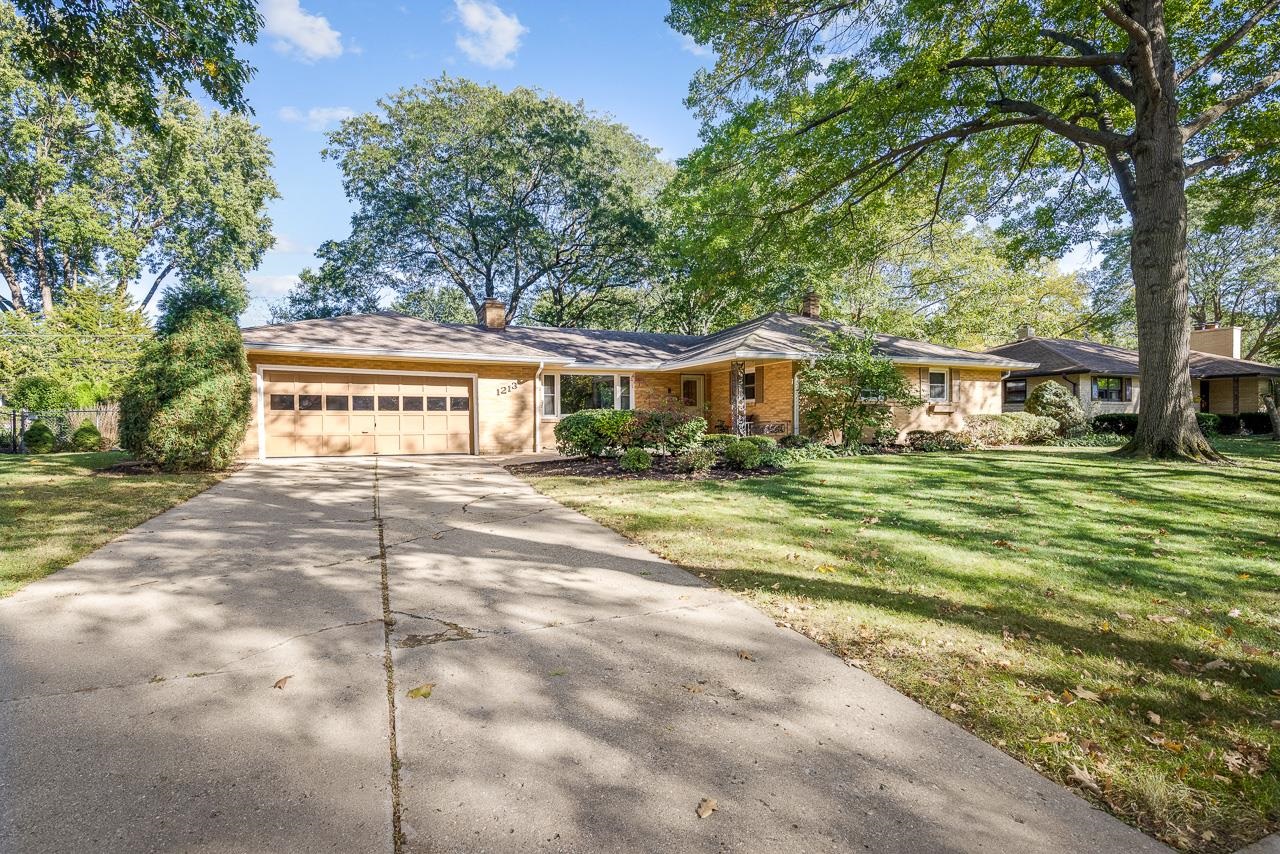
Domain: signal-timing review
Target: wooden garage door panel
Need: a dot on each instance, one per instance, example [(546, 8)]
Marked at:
[(337, 427)]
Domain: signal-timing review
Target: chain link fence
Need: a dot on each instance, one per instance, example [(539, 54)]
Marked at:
[(14, 424)]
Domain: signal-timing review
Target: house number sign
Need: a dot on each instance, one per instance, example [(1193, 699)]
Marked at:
[(507, 388)]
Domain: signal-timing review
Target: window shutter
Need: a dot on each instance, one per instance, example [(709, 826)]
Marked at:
[(759, 372), (1128, 388)]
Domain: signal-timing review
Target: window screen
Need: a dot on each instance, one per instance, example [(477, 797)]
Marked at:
[(937, 386), (549, 394)]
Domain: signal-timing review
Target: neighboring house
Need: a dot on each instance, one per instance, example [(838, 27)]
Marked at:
[(388, 383), (1105, 378)]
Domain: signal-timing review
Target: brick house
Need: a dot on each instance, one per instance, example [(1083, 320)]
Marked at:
[(388, 383), (1105, 378)]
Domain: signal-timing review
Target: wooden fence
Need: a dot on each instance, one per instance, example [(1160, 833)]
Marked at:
[(14, 424)]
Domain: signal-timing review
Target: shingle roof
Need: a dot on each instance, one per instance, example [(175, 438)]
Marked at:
[(389, 331), (1068, 356), (772, 336)]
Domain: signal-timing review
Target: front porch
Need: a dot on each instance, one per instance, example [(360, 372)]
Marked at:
[(742, 397)]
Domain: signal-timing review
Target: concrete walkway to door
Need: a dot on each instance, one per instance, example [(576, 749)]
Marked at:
[(585, 694)]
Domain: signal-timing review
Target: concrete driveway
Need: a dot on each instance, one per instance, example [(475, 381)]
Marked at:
[(586, 694)]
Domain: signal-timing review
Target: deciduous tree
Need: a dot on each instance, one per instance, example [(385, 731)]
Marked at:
[(1054, 118)]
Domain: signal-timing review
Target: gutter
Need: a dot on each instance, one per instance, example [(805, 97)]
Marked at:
[(537, 409), (433, 355)]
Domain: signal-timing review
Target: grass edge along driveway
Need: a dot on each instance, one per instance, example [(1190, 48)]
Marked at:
[(56, 508), (1113, 624)]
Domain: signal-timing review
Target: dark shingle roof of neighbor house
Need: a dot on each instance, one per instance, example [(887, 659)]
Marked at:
[(773, 336), (1068, 356)]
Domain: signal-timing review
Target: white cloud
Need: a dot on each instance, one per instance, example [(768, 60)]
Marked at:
[(688, 45), (285, 243), (492, 36), (267, 284), (316, 118), (299, 32)]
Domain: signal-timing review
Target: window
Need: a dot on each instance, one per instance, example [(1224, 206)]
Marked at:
[(413, 404), (867, 395), (1109, 388), (309, 402), (282, 401), (388, 403), (1015, 391), (564, 394), (689, 387), (437, 404), (459, 404), (362, 402), (549, 394), (938, 386), (335, 402), (749, 386)]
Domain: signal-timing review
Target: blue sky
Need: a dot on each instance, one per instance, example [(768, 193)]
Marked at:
[(318, 61)]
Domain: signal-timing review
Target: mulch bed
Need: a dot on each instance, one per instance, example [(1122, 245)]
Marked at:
[(133, 468), (664, 468)]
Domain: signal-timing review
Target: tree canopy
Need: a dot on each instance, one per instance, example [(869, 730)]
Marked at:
[(512, 195), (1054, 119), (120, 56), (83, 197)]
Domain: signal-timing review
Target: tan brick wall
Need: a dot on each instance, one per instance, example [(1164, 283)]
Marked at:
[(656, 390), (973, 392), (504, 397), (1222, 395)]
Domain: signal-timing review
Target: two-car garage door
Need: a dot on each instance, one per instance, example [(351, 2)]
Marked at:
[(340, 413)]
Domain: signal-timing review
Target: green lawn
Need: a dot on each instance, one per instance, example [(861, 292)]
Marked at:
[(1113, 624), (57, 508)]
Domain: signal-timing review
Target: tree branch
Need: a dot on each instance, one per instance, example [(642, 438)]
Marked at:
[(1051, 121), (1106, 73), (156, 285), (1212, 54), (1141, 41), (1087, 61), (1228, 104)]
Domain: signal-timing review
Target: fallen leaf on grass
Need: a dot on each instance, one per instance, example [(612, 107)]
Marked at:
[(1082, 778), (1122, 616), (1162, 618), (280, 682), (956, 707), (1002, 544), (1234, 612), (706, 807), (1086, 694), (745, 656), (1216, 664), (422, 692), (825, 568), (1054, 738), (1250, 649), (1154, 718)]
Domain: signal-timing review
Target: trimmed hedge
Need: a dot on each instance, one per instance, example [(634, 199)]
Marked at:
[(87, 437), (937, 440), (1010, 428), (635, 460), (187, 405), (1210, 424), (696, 460), (39, 439), (606, 432), (1126, 423), (1256, 422), (40, 394), (664, 430), (1228, 425)]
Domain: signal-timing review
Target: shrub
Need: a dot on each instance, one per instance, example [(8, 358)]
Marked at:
[(1120, 423), (696, 460), (39, 439), (667, 431), (743, 455), (764, 443), (40, 394), (1011, 428), (87, 437), (1209, 423), (1089, 440), (635, 460), (717, 442), (1051, 400), (593, 432), (1228, 425), (795, 440), (1256, 422), (187, 405), (937, 440)]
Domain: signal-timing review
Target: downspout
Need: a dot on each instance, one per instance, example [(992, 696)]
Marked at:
[(537, 409)]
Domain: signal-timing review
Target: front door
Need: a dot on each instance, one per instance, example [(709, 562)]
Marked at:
[(693, 392), (1204, 395)]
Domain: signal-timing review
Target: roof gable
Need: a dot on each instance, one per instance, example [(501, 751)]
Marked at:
[(1069, 356)]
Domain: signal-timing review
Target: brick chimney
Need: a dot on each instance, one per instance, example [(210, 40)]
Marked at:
[(812, 306), (1026, 331), (495, 314), (1216, 340)]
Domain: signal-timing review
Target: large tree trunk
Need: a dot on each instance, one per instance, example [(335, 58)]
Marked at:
[(1167, 427), (1273, 406)]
